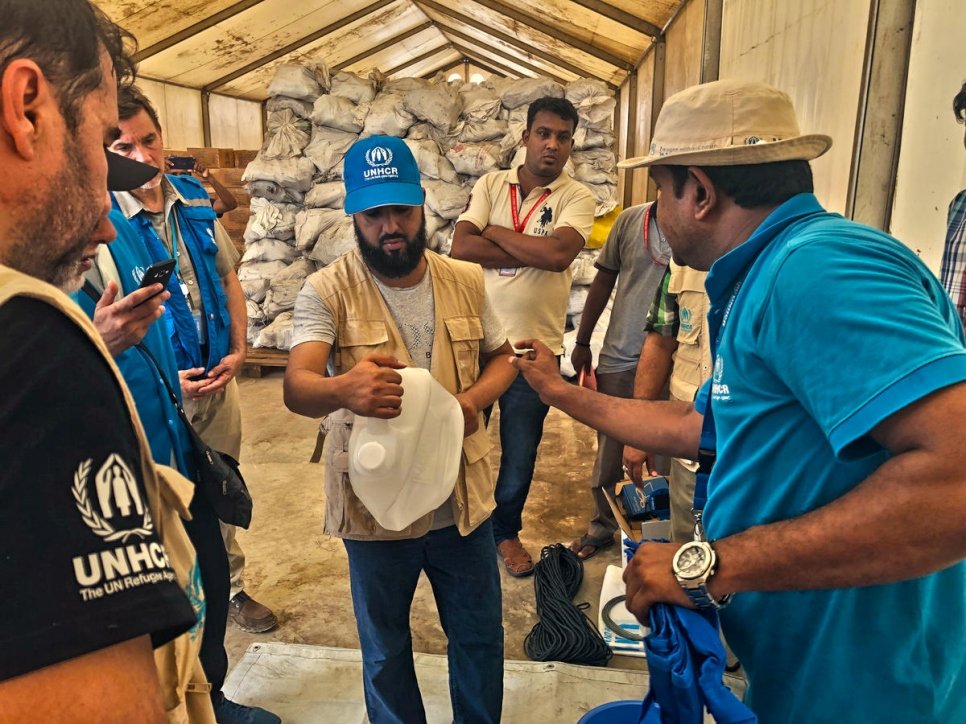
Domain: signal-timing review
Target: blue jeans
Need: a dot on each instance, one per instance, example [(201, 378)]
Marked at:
[(521, 427), (466, 584)]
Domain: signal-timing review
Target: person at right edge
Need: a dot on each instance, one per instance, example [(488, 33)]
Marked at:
[(833, 527), (525, 226), (953, 269)]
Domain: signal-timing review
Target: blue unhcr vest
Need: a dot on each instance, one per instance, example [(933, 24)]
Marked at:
[(195, 221), (159, 417)]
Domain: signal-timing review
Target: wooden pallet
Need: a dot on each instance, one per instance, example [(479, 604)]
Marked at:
[(261, 358)]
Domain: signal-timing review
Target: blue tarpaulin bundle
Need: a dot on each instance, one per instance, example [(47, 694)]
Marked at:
[(686, 662)]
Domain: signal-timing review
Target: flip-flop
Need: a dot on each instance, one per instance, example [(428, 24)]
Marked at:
[(596, 546)]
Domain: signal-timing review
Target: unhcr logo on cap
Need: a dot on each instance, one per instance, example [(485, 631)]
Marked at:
[(379, 158)]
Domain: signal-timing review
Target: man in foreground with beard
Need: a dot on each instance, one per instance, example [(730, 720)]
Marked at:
[(94, 559), (387, 305)]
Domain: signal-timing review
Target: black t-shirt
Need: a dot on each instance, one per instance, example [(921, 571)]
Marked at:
[(81, 564)]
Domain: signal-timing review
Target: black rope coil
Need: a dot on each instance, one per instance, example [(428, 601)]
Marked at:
[(564, 632)]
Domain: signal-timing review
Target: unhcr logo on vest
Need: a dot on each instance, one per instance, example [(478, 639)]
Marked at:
[(379, 158), (116, 513)]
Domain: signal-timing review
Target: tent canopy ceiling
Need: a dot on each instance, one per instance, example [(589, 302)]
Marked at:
[(234, 46)]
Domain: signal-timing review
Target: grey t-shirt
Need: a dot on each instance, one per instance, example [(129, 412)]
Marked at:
[(413, 310), (640, 269)]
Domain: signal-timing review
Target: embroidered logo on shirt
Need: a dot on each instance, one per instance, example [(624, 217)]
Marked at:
[(719, 391), (546, 216), (686, 325)]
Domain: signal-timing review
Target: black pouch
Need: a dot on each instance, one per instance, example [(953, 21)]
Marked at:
[(222, 483)]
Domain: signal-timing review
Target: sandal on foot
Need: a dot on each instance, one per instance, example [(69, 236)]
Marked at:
[(591, 545), (516, 560)]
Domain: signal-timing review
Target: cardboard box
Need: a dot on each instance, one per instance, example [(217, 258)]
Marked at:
[(230, 177), (244, 157), (214, 157), (648, 530)]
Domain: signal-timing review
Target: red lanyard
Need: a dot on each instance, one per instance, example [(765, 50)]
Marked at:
[(519, 226), (647, 236)]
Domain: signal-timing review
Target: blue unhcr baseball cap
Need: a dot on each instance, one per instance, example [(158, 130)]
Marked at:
[(380, 171)]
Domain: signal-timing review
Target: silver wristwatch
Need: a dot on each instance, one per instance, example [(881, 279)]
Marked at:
[(693, 565)]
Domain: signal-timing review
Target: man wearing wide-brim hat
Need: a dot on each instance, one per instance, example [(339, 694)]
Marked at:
[(833, 519)]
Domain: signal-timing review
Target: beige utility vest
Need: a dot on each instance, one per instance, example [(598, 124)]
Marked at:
[(364, 326), (692, 361), (184, 689)]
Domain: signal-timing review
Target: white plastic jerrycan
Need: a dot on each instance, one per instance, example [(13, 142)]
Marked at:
[(403, 468)]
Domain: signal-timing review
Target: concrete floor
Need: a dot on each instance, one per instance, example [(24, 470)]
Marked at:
[(303, 575)]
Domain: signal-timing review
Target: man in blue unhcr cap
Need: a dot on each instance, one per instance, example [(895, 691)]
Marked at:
[(389, 304), (833, 421)]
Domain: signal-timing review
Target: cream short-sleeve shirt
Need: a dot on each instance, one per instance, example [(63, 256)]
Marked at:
[(531, 303)]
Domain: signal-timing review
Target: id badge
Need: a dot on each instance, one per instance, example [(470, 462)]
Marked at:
[(200, 326), (508, 271)]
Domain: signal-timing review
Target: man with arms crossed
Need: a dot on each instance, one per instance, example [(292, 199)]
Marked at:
[(524, 227)]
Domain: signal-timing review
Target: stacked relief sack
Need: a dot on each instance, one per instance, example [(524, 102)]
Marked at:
[(278, 180), (595, 164), (434, 107), (457, 132)]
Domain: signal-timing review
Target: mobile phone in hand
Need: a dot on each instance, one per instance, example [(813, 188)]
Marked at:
[(182, 163), (159, 273)]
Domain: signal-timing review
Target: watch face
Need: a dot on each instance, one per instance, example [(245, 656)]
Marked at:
[(692, 561)]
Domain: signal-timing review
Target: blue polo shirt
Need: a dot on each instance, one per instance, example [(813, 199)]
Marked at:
[(835, 327)]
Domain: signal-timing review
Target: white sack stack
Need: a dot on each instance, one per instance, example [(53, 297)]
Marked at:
[(278, 180), (456, 132)]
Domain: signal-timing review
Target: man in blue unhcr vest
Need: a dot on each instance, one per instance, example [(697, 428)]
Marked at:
[(834, 511), (124, 314), (206, 315)]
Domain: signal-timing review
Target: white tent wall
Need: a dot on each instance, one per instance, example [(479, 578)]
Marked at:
[(235, 123), (932, 161), (641, 134), (684, 39), (813, 50), (179, 110)]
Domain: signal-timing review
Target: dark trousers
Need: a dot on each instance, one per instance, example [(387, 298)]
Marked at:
[(205, 535), (466, 584), (521, 428)]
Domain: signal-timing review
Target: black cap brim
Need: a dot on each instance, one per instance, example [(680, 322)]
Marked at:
[(123, 174)]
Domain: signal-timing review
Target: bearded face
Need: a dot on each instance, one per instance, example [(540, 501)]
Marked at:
[(391, 253)]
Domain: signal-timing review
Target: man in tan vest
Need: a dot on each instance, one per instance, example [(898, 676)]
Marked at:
[(387, 305), (678, 356), (94, 556)]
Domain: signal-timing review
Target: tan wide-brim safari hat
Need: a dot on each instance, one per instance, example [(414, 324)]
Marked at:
[(729, 123)]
